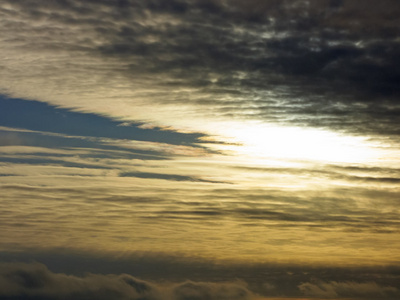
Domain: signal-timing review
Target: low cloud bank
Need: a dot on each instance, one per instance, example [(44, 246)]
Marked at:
[(365, 290), (35, 281)]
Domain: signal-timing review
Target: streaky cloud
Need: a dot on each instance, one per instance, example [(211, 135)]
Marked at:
[(174, 177)]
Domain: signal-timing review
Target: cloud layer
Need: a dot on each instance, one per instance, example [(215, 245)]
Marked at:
[(327, 64), (201, 128), (332, 290), (35, 281)]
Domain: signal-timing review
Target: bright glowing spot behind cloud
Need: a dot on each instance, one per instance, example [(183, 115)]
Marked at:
[(294, 143)]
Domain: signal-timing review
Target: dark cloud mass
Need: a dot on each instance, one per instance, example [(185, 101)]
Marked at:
[(35, 281), (368, 290), (330, 64)]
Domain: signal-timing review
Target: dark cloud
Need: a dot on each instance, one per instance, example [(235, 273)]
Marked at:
[(365, 290), (35, 281), (329, 64), (179, 277)]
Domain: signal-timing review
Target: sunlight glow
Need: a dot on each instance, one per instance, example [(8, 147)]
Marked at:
[(263, 142)]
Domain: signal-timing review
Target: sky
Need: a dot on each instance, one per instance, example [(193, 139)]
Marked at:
[(200, 149)]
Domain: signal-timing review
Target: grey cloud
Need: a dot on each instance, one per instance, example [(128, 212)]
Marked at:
[(181, 277), (174, 177), (191, 290), (364, 290), (35, 281), (315, 63), (50, 161), (325, 76), (345, 173)]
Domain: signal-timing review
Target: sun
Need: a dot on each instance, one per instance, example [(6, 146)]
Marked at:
[(261, 141)]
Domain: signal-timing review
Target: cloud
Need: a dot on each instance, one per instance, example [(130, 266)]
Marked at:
[(129, 85), (345, 173), (35, 281), (59, 207), (328, 64), (179, 277), (365, 290), (166, 177)]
